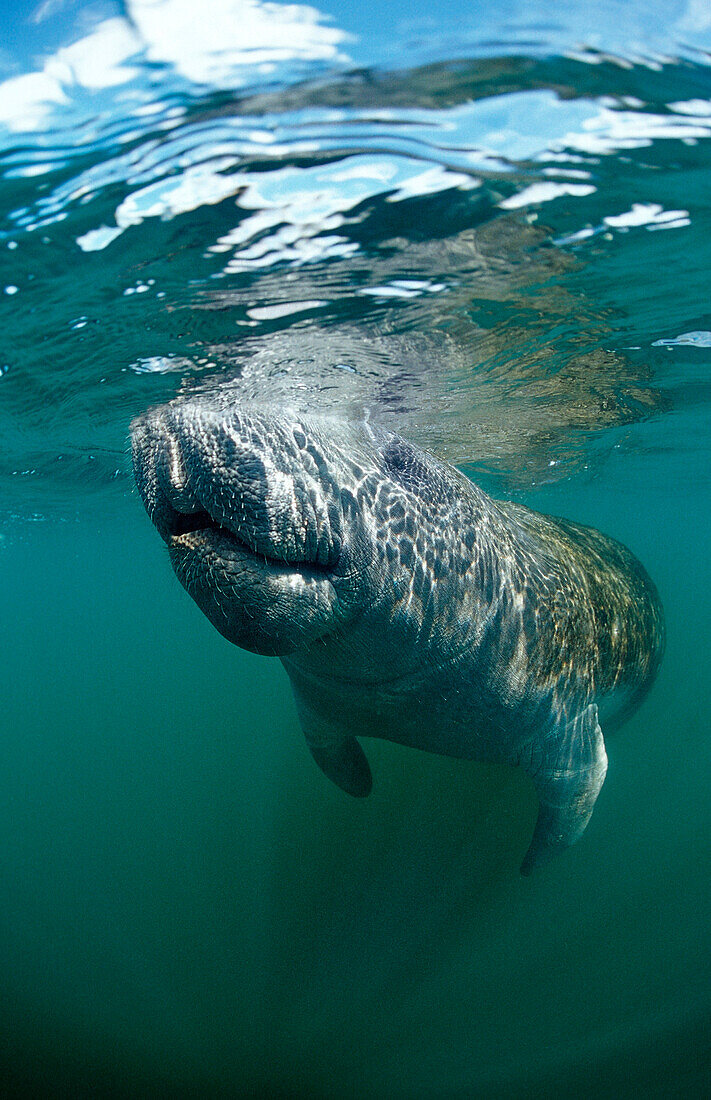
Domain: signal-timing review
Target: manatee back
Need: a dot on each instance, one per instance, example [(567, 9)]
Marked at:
[(596, 604)]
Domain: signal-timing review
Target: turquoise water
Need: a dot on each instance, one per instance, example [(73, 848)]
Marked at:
[(492, 234)]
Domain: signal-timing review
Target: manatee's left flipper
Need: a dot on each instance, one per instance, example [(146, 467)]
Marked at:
[(568, 770)]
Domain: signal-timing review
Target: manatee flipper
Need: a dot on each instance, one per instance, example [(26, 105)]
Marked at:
[(568, 771), (338, 754), (343, 761)]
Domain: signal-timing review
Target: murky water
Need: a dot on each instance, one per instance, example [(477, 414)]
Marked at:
[(489, 231)]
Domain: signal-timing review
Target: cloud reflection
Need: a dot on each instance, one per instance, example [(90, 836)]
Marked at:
[(236, 43), (296, 206), (237, 35)]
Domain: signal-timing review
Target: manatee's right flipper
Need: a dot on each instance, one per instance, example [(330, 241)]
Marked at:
[(343, 760), (568, 770), (338, 755)]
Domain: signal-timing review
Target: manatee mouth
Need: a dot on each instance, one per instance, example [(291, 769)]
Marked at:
[(181, 524), (211, 487), (252, 516), (186, 531), (176, 525)]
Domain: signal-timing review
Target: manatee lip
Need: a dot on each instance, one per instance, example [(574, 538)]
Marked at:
[(184, 520), (176, 527)]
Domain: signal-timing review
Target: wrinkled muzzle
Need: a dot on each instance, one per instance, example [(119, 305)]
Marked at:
[(251, 517)]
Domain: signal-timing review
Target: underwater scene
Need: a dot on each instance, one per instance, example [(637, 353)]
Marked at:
[(486, 228)]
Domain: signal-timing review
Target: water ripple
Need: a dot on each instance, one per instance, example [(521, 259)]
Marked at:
[(431, 242)]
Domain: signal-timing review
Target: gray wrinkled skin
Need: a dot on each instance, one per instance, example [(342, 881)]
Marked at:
[(403, 601)]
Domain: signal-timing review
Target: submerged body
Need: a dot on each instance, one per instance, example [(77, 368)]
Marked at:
[(403, 601)]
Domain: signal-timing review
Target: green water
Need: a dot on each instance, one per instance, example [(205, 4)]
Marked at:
[(189, 907)]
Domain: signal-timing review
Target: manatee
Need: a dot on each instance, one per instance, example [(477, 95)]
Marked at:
[(404, 602)]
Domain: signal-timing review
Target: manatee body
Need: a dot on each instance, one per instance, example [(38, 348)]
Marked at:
[(403, 601)]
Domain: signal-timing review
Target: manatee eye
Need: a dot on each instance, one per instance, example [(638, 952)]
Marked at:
[(405, 464)]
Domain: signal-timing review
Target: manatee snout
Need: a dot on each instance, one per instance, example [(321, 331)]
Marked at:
[(160, 472), (248, 476), (254, 533)]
